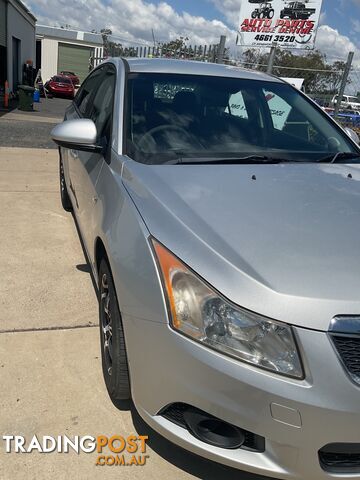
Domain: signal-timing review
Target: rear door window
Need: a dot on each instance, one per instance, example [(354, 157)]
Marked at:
[(102, 103), (82, 99)]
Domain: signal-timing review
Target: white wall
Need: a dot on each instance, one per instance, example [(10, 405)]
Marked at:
[(49, 58), (22, 27)]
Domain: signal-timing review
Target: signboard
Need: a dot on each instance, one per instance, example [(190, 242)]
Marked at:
[(279, 108), (295, 82), (283, 23)]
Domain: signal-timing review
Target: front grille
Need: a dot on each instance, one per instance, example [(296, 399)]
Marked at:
[(340, 458), (175, 413), (348, 348)]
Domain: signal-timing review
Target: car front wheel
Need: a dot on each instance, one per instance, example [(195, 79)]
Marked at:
[(112, 338)]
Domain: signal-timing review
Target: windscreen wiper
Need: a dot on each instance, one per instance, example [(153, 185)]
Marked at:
[(251, 159), (339, 156)]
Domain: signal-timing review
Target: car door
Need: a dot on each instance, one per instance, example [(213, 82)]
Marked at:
[(80, 108), (89, 164)]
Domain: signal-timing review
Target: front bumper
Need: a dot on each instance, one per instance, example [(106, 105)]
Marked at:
[(167, 368)]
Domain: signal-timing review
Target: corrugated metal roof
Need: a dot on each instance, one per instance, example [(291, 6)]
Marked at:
[(64, 34)]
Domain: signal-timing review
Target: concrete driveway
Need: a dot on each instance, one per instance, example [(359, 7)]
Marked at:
[(50, 370)]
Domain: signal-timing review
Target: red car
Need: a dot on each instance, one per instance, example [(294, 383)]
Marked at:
[(60, 86), (73, 77)]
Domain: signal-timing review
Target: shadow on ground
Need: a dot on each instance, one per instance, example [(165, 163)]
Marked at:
[(13, 104)]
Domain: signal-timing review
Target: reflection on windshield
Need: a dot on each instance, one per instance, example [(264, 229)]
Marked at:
[(177, 116)]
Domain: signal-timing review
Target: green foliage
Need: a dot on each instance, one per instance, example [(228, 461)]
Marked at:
[(320, 76), (177, 44)]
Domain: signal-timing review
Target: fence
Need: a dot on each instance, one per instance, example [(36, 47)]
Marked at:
[(203, 53), (320, 84)]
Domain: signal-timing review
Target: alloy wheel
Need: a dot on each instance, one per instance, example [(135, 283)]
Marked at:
[(62, 179), (106, 324)]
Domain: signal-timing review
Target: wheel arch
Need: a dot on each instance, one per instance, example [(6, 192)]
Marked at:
[(100, 253)]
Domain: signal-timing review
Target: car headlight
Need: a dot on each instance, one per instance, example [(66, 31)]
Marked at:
[(201, 313)]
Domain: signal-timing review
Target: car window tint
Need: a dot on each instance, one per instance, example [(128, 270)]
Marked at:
[(85, 92), (171, 116), (102, 103), (61, 80)]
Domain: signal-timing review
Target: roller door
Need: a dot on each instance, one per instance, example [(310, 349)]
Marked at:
[(74, 58)]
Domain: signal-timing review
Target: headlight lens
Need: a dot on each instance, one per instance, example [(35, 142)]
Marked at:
[(202, 314)]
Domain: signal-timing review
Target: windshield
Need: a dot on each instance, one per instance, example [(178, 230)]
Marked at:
[(354, 100), (172, 116), (61, 80)]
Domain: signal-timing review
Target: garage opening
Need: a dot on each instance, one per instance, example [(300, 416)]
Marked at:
[(3, 66), (38, 54), (16, 65), (75, 58)]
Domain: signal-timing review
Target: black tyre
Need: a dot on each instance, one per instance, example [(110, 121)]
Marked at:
[(254, 14), (271, 13), (112, 339), (64, 195)]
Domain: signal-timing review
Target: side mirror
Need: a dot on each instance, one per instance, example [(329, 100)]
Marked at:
[(353, 135), (80, 134)]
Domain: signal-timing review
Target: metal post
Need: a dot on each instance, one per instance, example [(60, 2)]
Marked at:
[(271, 60), (221, 49), (343, 83)]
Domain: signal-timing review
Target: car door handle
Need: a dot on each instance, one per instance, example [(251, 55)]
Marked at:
[(74, 153), (95, 199)]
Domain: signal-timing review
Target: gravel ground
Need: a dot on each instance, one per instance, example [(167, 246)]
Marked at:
[(15, 133), (32, 129)]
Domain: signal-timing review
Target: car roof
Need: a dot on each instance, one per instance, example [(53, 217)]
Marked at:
[(191, 67)]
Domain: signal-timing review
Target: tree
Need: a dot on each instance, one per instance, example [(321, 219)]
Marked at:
[(175, 48), (254, 59), (115, 49), (335, 77), (319, 76)]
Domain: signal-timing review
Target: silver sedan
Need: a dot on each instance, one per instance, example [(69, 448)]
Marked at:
[(220, 212)]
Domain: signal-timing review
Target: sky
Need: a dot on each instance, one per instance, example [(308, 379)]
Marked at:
[(202, 21)]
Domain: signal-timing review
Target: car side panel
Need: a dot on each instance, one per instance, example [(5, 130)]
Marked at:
[(126, 240)]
